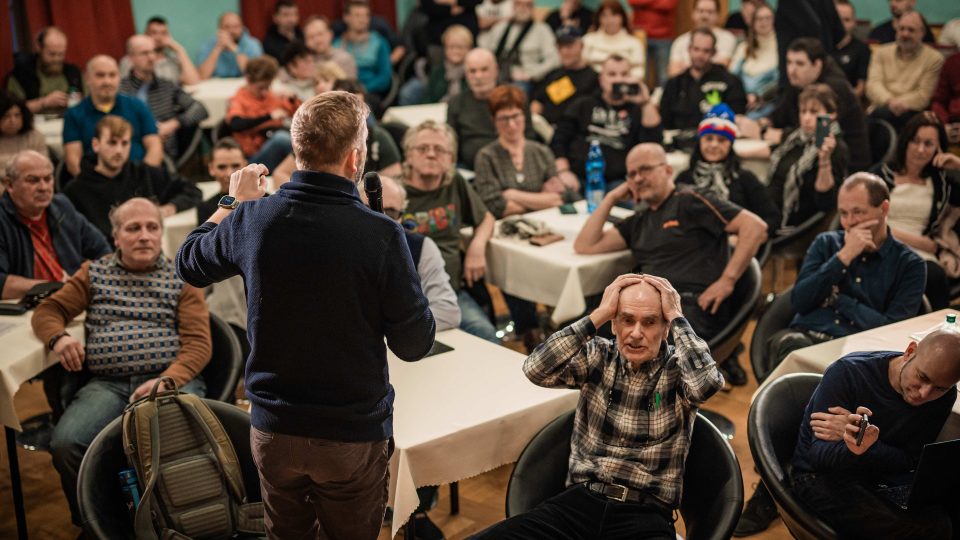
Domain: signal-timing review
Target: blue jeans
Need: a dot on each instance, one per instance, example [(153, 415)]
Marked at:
[(474, 320), (412, 92), (658, 50), (274, 150), (96, 404)]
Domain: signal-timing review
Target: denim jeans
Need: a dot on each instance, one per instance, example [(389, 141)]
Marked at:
[(412, 92), (96, 404), (274, 150), (658, 50), (474, 320)]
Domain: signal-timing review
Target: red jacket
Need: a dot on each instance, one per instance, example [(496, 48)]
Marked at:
[(658, 18), (946, 98)]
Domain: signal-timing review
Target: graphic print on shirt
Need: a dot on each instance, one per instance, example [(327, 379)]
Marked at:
[(433, 220), (609, 126), (713, 93)]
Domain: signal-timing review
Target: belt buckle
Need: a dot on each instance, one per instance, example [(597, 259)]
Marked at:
[(623, 492)]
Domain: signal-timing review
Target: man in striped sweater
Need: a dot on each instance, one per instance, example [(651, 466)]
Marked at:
[(142, 322)]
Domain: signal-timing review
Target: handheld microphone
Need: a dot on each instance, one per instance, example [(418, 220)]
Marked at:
[(374, 190)]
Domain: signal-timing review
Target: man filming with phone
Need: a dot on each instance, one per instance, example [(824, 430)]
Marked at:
[(620, 117)]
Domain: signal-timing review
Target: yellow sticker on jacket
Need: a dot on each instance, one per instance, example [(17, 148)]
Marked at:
[(561, 90)]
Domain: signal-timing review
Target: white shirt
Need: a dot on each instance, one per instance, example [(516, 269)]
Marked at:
[(598, 46)]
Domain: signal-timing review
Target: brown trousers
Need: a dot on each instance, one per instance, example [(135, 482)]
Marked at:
[(317, 488)]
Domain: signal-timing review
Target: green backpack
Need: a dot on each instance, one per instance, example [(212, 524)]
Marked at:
[(187, 468)]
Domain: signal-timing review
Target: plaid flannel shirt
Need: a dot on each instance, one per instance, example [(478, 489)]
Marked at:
[(631, 428)]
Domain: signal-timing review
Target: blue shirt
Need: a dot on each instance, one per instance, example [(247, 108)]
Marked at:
[(80, 123), (227, 65), (373, 61), (877, 288), (861, 379)]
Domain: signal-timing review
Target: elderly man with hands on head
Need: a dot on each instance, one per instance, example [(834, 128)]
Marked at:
[(639, 397)]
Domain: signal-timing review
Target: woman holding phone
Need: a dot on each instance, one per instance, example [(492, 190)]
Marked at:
[(806, 169), (924, 187)]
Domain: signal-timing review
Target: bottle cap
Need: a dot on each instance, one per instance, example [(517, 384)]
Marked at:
[(952, 318)]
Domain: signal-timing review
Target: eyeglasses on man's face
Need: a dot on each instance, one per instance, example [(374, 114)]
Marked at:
[(643, 170), (436, 148)]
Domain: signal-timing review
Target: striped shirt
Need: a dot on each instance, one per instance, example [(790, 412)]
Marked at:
[(167, 100), (631, 427)]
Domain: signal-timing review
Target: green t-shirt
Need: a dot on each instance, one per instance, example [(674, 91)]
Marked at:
[(48, 85), (440, 214)]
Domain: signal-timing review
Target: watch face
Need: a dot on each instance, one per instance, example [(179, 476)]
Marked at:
[(228, 202)]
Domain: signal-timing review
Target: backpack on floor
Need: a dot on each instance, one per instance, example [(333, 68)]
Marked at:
[(188, 471)]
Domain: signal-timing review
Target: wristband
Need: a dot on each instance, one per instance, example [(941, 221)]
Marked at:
[(53, 341)]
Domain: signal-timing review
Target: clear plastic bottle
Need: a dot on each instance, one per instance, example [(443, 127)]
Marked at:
[(950, 324), (74, 96), (596, 186)]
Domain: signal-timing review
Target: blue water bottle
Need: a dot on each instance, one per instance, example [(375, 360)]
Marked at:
[(130, 489), (596, 186)]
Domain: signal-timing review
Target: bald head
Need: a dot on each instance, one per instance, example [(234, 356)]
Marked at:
[(231, 23), (482, 72), (648, 150), (942, 349), (138, 42), (639, 325), (23, 160), (100, 62), (641, 292), (131, 208), (649, 176)]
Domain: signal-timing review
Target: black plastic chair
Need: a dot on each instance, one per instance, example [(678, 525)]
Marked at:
[(744, 299), (712, 483), (189, 148), (226, 364), (883, 140), (776, 317), (102, 506), (772, 427)]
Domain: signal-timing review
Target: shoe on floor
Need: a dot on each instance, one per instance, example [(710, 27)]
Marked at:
[(424, 529), (758, 515), (733, 372)]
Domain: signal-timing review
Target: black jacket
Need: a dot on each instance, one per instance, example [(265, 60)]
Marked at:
[(25, 72)]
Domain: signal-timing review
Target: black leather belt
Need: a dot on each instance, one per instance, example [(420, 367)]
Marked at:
[(622, 493)]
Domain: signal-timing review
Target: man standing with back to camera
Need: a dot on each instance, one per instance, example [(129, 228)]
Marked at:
[(327, 279)]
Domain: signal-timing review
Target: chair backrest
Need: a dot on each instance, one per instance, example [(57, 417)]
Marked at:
[(712, 484), (883, 139), (744, 299), (794, 244), (102, 506), (776, 317), (223, 372), (772, 429)]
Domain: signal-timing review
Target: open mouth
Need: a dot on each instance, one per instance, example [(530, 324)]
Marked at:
[(634, 348)]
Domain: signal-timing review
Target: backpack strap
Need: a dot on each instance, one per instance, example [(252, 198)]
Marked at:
[(143, 521), (219, 441)]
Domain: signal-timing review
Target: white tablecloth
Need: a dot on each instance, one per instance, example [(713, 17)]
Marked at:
[(413, 115), (178, 226), (892, 337), (214, 94), (23, 357), (52, 131), (554, 275), (460, 414)]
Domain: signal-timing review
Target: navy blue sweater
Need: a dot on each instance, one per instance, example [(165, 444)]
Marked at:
[(860, 379), (327, 279)]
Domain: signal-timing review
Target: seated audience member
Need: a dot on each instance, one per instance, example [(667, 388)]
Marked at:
[(177, 114), (742, 20), (42, 237), (626, 462), (490, 13), (756, 63), (319, 38), (114, 178), (886, 32), (426, 258), (298, 74), (43, 79), (172, 61), (950, 34), (514, 175), (285, 29), (381, 26), (574, 78), (803, 177), (689, 95), (850, 281), (16, 129), (369, 49), (260, 119), (80, 122), (525, 49), (383, 156), (445, 79), (807, 64), (903, 75), (225, 158), (327, 75), (227, 54), (715, 169), (924, 192), (616, 120), (681, 236), (611, 35), (658, 18), (133, 301), (907, 398), (571, 13), (468, 113), (851, 54), (440, 203), (946, 98), (706, 14)]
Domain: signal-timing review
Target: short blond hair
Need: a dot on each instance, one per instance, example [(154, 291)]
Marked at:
[(326, 128), (457, 31), (330, 71)]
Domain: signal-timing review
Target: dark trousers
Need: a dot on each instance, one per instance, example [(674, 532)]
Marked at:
[(855, 511), (578, 513), (938, 286), (317, 488), (523, 312), (897, 121)]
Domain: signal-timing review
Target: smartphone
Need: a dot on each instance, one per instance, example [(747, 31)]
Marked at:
[(864, 424), (625, 89), (568, 208), (823, 129)]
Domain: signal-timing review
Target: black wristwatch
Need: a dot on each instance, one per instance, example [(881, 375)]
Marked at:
[(229, 202), (53, 341)]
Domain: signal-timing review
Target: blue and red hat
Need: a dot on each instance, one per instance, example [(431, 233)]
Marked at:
[(719, 121)]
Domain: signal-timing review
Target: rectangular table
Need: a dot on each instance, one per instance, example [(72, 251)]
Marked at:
[(178, 226), (52, 130), (414, 115), (892, 337), (460, 414), (554, 275)]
